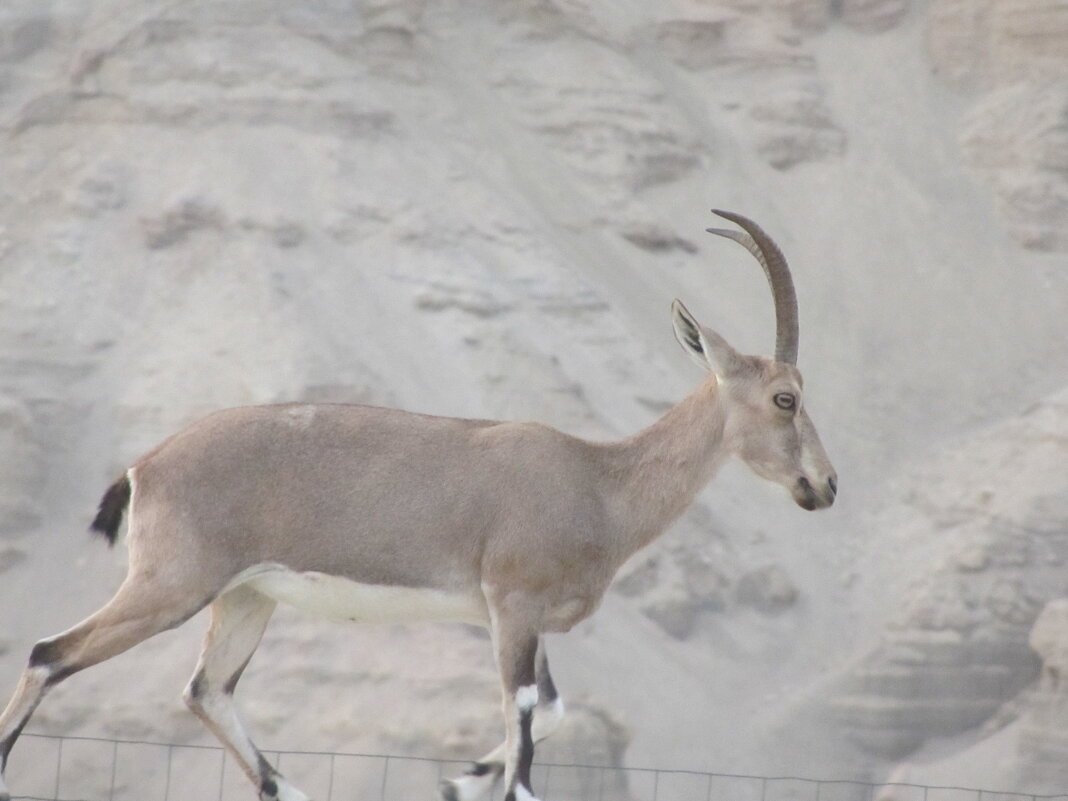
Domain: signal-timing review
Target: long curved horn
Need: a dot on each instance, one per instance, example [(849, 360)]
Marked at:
[(775, 268)]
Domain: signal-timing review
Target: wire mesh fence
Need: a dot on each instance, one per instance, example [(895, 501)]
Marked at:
[(50, 768)]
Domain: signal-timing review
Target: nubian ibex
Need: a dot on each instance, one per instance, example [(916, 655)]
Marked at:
[(370, 514)]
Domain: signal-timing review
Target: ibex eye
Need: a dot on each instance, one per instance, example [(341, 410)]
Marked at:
[(785, 400)]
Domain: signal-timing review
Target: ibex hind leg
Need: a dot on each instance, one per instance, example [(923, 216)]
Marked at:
[(140, 609), (238, 619)]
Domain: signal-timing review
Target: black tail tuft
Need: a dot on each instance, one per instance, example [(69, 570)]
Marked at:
[(112, 505)]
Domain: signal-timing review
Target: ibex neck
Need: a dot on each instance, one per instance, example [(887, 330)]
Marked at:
[(659, 471)]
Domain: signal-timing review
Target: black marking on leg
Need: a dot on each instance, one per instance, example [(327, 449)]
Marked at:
[(231, 683), (526, 748), (448, 791), (198, 687), (482, 768), (56, 676), (268, 785), (49, 654), (9, 743), (46, 653), (547, 693)]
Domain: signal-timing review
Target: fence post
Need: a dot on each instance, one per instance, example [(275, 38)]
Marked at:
[(167, 782), (222, 775), (385, 777), (114, 769), (59, 766)]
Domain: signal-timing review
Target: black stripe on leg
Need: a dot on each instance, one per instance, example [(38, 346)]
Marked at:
[(6, 745), (52, 655), (231, 683), (48, 654), (546, 689), (268, 786), (482, 768), (547, 693), (198, 687), (526, 748)]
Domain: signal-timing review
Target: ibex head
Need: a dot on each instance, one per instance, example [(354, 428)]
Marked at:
[(765, 422)]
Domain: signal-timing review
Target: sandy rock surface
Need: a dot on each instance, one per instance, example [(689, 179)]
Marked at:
[(1012, 57), (484, 210)]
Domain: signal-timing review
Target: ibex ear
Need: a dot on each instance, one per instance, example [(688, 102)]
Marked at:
[(704, 346)]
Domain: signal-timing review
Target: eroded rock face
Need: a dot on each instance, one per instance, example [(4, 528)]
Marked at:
[(1017, 138), (1043, 747), (1014, 56), (872, 16), (986, 523), (988, 43), (767, 589), (21, 473), (23, 31), (447, 207), (695, 574), (674, 587)]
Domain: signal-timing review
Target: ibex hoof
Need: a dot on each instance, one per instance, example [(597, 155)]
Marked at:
[(284, 792)]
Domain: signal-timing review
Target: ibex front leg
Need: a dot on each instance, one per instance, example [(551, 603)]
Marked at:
[(514, 619), (520, 690), (479, 780)]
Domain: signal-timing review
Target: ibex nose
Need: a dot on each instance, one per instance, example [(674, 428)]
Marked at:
[(807, 497)]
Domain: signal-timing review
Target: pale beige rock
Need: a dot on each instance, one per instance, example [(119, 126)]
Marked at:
[(873, 16), (484, 209), (954, 652), (767, 589), (1016, 53), (22, 469), (1017, 139), (1049, 639), (984, 43), (794, 126)]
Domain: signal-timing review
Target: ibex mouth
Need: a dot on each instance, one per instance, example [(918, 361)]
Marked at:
[(807, 498)]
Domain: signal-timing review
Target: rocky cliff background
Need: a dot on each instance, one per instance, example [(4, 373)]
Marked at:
[(484, 209)]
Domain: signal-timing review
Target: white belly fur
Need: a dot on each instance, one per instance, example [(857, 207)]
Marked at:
[(337, 598)]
